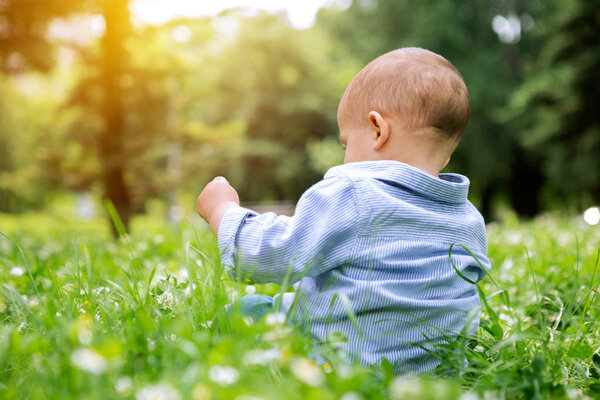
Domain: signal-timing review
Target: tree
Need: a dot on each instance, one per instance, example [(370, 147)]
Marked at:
[(116, 15), (278, 83), (24, 25), (27, 46), (556, 107)]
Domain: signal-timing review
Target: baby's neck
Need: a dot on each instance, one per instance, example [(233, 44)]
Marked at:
[(426, 167), (425, 164), (419, 151)]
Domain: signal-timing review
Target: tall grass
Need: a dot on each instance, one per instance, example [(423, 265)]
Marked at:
[(83, 316)]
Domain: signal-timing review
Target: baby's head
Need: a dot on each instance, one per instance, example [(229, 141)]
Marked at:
[(409, 105)]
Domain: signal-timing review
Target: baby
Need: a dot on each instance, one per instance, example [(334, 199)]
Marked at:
[(368, 246)]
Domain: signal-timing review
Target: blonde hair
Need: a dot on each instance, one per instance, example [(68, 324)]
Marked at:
[(416, 87)]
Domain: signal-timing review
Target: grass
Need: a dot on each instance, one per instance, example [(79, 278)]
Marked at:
[(83, 316)]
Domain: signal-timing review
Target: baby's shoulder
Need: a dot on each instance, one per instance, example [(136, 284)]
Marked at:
[(331, 186)]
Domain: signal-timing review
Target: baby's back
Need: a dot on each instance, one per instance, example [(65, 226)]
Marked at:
[(398, 279)]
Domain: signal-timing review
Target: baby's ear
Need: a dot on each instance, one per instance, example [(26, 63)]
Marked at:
[(380, 129)]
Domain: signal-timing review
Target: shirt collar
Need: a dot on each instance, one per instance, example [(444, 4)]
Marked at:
[(449, 187)]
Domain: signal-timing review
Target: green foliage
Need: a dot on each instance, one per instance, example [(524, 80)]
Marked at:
[(157, 111), (23, 25), (556, 105), (35, 154), (324, 154), (279, 82), (132, 319), (538, 326)]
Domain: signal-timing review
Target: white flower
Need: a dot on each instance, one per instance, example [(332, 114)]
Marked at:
[(262, 357), (514, 238), (405, 388), (89, 360), (182, 275), (98, 291), (166, 300), (351, 396), (17, 271), (345, 371), (469, 396), (84, 336), (161, 391), (507, 264), (206, 324), (279, 333), (231, 293), (274, 319), (22, 327), (490, 395), (576, 394), (123, 385), (189, 290), (223, 375), (307, 371), (250, 289)]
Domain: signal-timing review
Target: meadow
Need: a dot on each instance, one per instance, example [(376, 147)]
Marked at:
[(84, 316)]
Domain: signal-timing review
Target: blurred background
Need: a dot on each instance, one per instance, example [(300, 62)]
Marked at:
[(142, 102)]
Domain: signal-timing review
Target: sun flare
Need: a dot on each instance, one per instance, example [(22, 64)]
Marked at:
[(301, 13)]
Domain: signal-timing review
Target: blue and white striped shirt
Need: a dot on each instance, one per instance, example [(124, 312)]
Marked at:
[(371, 239)]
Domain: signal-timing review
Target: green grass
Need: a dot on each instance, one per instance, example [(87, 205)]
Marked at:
[(83, 316)]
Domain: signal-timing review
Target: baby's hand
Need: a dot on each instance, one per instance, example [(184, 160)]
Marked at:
[(216, 198)]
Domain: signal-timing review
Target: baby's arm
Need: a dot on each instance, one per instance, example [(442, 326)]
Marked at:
[(214, 201), (271, 248)]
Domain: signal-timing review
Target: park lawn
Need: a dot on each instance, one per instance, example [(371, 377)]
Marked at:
[(83, 316)]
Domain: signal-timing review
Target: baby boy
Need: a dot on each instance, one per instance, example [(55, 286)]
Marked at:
[(368, 246)]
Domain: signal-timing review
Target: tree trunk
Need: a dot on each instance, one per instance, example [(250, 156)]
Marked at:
[(486, 202), (525, 183), (116, 16)]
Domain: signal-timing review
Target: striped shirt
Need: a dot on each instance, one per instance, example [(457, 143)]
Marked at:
[(368, 251)]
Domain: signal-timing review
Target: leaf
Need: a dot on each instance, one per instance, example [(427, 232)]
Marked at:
[(337, 338), (497, 331), (387, 369)]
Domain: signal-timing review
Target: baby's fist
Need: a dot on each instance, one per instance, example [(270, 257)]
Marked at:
[(216, 197)]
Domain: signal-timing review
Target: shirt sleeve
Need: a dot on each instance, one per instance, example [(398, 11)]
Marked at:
[(282, 249)]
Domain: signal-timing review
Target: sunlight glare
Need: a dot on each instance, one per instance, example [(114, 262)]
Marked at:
[(508, 28), (181, 34), (592, 215), (301, 13), (98, 25)]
